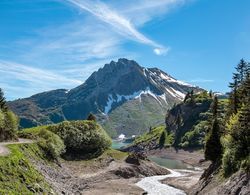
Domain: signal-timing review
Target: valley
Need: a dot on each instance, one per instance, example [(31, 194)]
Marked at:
[(124, 97), (160, 144), (107, 174)]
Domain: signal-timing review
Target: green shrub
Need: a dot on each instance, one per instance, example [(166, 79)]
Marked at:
[(236, 147), (158, 135), (8, 125), (229, 163), (195, 137), (245, 164), (51, 143), (82, 138)]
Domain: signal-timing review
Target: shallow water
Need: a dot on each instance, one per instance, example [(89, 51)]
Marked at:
[(152, 185), (170, 163), (118, 144)]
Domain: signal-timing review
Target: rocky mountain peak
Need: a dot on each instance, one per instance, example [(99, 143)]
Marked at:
[(118, 83)]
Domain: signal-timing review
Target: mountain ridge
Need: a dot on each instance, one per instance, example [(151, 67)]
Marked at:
[(102, 93)]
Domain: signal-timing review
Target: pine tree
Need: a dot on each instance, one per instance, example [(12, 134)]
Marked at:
[(213, 147), (244, 117), (243, 89), (91, 117), (178, 120), (242, 70), (162, 139), (243, 133), (233, 96), (214, 107), (192, 97), (3, 105), (210, 93)]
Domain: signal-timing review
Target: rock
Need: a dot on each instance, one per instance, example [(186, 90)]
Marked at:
[(35, 188), (134, 158), (145, 168), (237, 184)]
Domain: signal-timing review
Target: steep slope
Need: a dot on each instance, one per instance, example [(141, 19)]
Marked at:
[(188, 121), (126, 97), (186, 124)]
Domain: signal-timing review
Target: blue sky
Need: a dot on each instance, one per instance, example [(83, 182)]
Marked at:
[(51, 44)]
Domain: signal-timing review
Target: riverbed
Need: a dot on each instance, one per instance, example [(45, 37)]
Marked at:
[(180, 172)]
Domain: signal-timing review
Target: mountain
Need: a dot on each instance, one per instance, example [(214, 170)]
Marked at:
[(126, 98)]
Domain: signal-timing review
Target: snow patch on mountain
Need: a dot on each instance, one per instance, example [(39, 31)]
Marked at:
[(109, 104), (175, 93), (136, 95), (144, 71), (172, 80), (163, 97), (178, 93)]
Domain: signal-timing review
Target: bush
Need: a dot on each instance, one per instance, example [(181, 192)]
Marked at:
[(245, 164), (82, 138), (8, 125), (51, 143), (236, 147), (91, 117), (229, 163), (195, 137)]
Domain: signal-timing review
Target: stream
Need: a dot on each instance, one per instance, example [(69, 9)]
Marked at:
[(152, 185)]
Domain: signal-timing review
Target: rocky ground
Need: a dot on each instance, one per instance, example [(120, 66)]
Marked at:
[(185, 182), (100, 176)]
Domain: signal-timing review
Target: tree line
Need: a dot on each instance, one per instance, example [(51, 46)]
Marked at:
[(228, 140)]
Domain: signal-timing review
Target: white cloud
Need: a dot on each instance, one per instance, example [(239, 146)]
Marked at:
[(72, 43), (146, 10), (120, 23), (161, 51), (78, 48), (25, 80)]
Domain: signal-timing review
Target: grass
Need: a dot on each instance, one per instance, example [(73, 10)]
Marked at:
[(17, 174), (109, 153), (135, 118), (31, 133), (115, 154), (154, 135)]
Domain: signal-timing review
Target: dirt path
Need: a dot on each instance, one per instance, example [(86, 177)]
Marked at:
[(4, 151)]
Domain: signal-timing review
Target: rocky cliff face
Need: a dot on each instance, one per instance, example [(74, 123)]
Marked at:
[(238, 183), (183, 117), (111, 92)]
